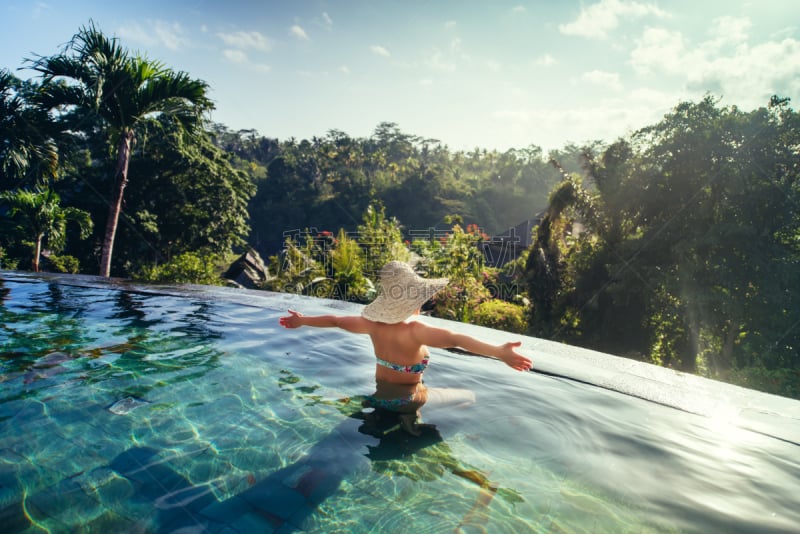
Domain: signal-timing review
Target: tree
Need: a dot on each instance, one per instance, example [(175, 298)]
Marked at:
[(26, 148), (689, 245), (39, 215), (123, 91), (187, 198)]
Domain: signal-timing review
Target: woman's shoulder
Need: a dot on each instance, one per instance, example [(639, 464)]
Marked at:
[(426, 334), (418, 328)]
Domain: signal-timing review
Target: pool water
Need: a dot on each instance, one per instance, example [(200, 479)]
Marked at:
[(130, 408)]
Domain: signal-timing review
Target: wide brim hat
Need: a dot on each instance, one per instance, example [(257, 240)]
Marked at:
[(402, 292)]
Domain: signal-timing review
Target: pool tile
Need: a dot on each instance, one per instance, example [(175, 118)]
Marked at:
[(65, 502), (115, 493), (255, 522), (13, 517), (274, 498), (109, 521), (228, 510), (184, 519), (304, 519)]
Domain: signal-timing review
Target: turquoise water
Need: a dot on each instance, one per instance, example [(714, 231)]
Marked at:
[(137, 409)]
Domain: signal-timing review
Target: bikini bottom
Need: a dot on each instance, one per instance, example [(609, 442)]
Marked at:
[(401, 398)]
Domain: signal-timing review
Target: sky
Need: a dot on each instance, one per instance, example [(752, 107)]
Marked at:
[(487, 74)]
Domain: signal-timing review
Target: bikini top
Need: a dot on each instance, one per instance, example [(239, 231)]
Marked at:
[(417, 368)]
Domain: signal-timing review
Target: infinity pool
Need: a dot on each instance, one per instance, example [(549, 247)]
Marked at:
[(150, 409)]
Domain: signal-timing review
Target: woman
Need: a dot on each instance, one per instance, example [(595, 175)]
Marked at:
[(401, 346)]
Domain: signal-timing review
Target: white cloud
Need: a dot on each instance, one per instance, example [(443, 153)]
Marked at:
[(170, 35), (518, 9), (545, 60), (659, 49), (595, 21), (246, 40), (729, 30), (379, 50), (344, 69), (450, 24), (297, 31), (235, 56), (751, 75), (726, 64), (604, 119), (604, 79), (327, 19), (241, 58), (157, 33), (437, 61)]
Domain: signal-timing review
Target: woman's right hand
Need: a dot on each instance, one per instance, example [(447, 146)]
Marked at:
[(514, 359), (293, 320)]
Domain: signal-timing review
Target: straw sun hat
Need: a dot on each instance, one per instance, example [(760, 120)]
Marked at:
[(402, 293)]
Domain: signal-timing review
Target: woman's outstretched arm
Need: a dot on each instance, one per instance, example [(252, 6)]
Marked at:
[(350, 323), (443, 338)]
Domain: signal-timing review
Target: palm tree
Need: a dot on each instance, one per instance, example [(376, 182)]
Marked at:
[(123, 91), (39, 215), (26, 148)]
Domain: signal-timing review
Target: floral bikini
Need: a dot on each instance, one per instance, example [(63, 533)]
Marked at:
[(399, 397), (417, 368)]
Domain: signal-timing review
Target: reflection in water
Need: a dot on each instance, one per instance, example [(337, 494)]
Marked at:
[(5, 292), (130, 308), (61, 335)]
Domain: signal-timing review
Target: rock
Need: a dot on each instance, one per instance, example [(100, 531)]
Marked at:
[(248, 271)]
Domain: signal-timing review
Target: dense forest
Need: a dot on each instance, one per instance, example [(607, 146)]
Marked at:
[(677, 244)]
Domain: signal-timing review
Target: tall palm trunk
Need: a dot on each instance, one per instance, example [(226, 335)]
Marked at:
[(115, 207)]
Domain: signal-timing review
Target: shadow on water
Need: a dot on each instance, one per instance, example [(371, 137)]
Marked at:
[(286, 498)]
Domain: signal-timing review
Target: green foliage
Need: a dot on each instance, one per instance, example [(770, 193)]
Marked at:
[(501, 315), (6, 262), (323, 182), (458, 258), (40, 218), (182, 197), (186, 268), (300, 267), (782, 381), (96, 77), (380, 238), (687, 248), (65, 264), (341, 267), (28, 150), (348, 270)]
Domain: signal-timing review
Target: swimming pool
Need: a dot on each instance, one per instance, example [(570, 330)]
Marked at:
[(154, 409)]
